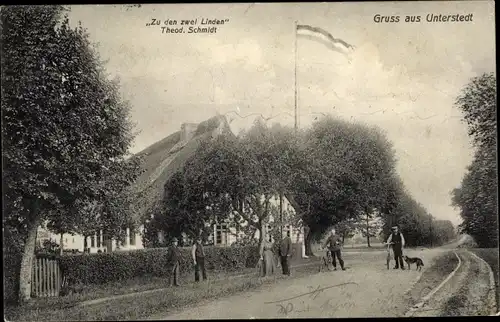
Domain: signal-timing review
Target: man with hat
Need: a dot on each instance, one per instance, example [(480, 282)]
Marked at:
[(174, 260), (397, 241)]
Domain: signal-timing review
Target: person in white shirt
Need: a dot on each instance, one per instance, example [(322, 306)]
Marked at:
[(397, 241)]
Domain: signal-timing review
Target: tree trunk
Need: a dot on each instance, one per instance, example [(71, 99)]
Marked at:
[(119, 239), (27, 261), (281, 215), (367, 231), (261, 235), (85, 244), (261, 239), (343, 238), (308, 242), (61, 244)]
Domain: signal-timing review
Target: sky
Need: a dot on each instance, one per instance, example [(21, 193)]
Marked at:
[(402, 77)]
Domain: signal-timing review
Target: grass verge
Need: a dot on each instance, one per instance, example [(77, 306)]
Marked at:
[(464, 302), (442, 266), (144, 305), (490, 256)]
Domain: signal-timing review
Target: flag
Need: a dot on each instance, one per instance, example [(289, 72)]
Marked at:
[(324, 37)]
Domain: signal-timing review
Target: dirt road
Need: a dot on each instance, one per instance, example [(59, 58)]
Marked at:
[(365, 289)]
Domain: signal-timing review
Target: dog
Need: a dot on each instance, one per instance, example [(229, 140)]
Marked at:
[(414, 260)]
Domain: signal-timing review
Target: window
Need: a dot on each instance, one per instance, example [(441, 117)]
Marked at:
[(105, 240), (92, 241), (73, 240), (133, 236), (221, 234), (161, 237), (98, 239)]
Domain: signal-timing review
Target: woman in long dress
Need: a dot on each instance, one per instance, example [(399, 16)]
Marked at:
[(268, 262)]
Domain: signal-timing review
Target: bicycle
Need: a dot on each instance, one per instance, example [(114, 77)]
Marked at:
[(326, 260), (388, 259)]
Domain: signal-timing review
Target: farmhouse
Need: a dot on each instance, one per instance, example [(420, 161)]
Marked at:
[(161, 161), (166, 157)]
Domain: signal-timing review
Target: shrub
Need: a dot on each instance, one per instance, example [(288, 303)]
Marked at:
[(121, 265), (468, 242)]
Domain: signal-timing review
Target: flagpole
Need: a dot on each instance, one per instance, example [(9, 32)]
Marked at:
[(295, 78)]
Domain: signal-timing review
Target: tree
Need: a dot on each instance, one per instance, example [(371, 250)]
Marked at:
[(417, 225), (65, 128), (346, 228), (344, 172), (185, 210), (477, 199), (442, 231), (477, 196), (229, 179), (478, 105), (204, 190), (369, 225)]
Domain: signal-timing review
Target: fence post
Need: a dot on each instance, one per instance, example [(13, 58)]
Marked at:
[(38, 276), (58, 278), (46, 271), (49, 261), (33, 278)]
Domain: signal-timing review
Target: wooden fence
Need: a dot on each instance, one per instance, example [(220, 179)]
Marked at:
[(47, 278)]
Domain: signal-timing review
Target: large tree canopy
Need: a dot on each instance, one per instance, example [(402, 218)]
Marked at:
[(66, 131), (345, 174)]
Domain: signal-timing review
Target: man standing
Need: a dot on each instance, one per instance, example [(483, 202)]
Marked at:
[(397, 241), (334, 242), (174, 258), (199, 260), (285, 251)]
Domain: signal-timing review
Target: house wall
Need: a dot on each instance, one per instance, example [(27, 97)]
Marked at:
[(225, 236), (97, 242), (222, 234)]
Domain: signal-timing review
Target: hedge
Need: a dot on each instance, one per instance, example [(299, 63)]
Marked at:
[(122, 265), (103, 268), (12, 245), (12, 265)]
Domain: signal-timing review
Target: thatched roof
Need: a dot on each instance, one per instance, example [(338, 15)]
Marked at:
[(164, 158)]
